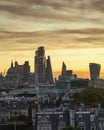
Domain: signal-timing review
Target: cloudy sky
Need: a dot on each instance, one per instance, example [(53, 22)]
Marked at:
[(70, 30)]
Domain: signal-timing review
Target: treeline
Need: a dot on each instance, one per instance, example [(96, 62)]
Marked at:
[(90, 97), (71, 128)]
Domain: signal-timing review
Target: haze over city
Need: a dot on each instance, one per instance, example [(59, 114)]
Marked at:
[(71, 31)]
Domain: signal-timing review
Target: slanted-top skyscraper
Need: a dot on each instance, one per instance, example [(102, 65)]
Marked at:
[(63, 73), (49, 75), (43, 70), (94, 71)]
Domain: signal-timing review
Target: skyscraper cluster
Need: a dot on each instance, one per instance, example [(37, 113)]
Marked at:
[(19, 75)]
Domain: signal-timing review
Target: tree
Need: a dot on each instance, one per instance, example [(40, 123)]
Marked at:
[(71, 128), (89, 97), (22, 118), (13, 118)]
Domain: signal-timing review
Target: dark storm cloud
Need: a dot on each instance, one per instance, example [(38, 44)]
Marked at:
[(14, 9), (47, 9), (85, 38), (35, 12), (88, 31), (59, 4), (98, 5)]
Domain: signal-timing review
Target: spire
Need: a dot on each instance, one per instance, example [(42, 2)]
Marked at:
[(12, 64), (63, 73), (49, 75), (1, 74)]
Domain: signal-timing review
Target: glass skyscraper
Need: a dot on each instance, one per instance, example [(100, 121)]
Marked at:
[(94, 71), (43, 70)]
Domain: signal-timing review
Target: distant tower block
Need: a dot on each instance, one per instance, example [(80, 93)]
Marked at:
[(12, 64), (40, 61), (43, 69), (49, 75), (94, 71), (63, 73)]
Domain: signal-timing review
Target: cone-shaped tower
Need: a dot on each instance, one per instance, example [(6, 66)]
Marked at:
[(63, 73), (49, 75), (12, 64)]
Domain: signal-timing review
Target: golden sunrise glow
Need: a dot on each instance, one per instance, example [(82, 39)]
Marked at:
[(75, 59)]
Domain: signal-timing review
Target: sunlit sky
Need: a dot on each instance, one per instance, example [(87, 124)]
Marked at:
[(70, 30)]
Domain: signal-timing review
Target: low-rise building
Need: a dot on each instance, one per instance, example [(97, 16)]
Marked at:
[(52, 120)]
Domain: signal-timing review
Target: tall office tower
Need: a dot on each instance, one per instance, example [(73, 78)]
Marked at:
[(40, 65), (11, 64), (49, 75), (26, 71), (94, 71), (63, 73)]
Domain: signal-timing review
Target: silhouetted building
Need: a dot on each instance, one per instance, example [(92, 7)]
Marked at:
[(43, 70), (49, 75), (18, 74), (63, 85), (72, 84), (40, 63), (63, 73), (66, 75), (94, 71), (26, 71), (1, 80), (79, 83)]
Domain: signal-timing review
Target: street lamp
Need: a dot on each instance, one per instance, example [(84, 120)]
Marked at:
[(15, 125), (36, 106)]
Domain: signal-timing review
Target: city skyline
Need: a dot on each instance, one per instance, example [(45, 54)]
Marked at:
[(71, 31)]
